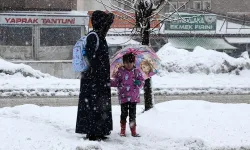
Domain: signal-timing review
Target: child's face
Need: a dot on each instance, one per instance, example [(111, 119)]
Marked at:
[(128, 65), (145, 68)]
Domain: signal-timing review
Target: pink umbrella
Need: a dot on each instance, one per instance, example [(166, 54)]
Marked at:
[(146, 60)]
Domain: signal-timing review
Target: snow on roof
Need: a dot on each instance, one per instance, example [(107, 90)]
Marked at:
[(120, 40), (238, 40), (208, 43)]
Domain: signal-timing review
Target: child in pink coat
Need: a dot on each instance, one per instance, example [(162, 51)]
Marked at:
[(128, 80)]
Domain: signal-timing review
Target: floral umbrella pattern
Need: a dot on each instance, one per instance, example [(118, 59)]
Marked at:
[(146, 60)]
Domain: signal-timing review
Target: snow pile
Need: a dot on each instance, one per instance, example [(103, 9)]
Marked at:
[(199, 72), (200, 61), (23, 80), (173, 125), (8, 68)]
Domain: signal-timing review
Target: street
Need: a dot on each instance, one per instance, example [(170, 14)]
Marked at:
[(73, 101)]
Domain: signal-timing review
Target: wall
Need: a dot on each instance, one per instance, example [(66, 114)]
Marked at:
[(54, 53), (16, 52), (190, 4), (38, 4), (55, 4), (224, 6), (60, 69), (87, 5), (11, 4)]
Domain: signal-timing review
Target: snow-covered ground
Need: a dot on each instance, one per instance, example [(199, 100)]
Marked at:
[(199, 72), (174, 125)]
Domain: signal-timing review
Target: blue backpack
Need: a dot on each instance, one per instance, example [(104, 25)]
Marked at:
[(80, 62)]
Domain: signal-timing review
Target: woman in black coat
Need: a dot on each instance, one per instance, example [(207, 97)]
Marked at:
[(94, 116)]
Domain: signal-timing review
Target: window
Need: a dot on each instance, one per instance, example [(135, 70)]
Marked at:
[(182, 5), (59, 36), (173, 6), (197, 5), (206, 5), (15, 36)]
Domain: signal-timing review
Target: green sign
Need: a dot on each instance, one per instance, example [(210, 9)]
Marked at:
[(192, 22)]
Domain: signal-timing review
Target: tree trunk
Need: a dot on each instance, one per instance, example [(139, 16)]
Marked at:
[(143, 21), (148, 99), (148, 95)]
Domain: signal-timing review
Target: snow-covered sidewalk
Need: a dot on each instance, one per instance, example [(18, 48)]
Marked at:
[(177, 83), (174, 125), (169, 84)]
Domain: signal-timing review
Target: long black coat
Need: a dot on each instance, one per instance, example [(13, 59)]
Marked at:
[(94, 115)]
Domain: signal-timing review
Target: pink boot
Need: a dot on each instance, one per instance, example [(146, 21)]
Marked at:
[(133, 129), (123, 128)]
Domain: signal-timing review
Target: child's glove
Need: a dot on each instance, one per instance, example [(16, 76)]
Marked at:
[(137, 82)]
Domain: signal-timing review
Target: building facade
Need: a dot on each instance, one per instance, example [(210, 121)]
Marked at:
[(90, 5), (41, 33), (38, 5), (221, 7)]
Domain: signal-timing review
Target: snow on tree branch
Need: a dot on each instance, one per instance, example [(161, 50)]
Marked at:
[(124, 13), (160, 4), (117, 7), (165, 18), (159, 9), (145, 11), (177, 10), (134, 3), (131, 6)]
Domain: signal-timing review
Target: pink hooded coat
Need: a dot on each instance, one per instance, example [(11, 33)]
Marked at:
[(124, 81)]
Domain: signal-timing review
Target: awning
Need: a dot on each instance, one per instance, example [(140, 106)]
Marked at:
[(238, 40), (208, 43)]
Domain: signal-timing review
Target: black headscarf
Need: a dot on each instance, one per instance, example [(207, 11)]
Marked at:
[(101, 22)]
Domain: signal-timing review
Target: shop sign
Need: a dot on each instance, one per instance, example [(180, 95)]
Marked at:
[(192, 22), (43, 20)]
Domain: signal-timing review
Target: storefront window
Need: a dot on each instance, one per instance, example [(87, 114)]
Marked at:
[(15, 36), (59, 36)]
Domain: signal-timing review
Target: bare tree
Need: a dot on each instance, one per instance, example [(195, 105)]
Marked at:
[(145, 13)]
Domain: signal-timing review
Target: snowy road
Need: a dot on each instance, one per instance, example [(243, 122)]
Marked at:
[(73, 101)]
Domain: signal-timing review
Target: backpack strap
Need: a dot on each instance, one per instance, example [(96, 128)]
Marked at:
[(97, 40)]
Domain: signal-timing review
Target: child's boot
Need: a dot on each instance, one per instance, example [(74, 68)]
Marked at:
[(123, 128), (133, 129)]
